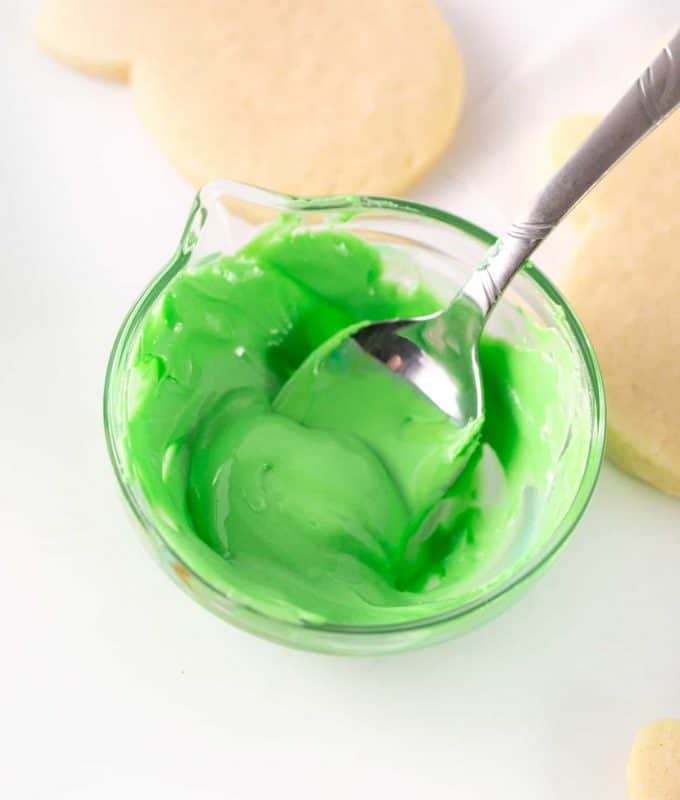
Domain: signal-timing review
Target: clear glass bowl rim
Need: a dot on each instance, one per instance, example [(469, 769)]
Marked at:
[(351, 205)]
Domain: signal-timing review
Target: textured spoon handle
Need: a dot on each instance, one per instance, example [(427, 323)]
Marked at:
[(653, 97)]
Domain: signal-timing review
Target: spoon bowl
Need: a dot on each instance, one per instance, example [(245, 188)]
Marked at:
[(439, 354)]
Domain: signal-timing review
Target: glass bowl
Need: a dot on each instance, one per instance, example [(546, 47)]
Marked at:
[(419, 243)]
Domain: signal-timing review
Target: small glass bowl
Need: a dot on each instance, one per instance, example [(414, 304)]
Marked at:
[(442, 249)]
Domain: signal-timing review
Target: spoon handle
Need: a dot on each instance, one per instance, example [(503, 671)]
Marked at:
[(648, 102)]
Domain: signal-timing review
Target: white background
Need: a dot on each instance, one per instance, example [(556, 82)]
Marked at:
[(115, 684)]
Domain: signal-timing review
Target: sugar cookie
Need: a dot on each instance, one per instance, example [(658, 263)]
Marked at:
[(654, 765), (96, 36), (304, 96), (624, 282), (311, 97)]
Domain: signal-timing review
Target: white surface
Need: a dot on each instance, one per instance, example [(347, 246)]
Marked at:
[(114, 683)]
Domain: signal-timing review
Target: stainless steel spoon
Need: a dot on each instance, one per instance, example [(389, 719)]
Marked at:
[(439, 354)]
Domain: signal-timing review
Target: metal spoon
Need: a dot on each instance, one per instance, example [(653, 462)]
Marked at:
[(439, 354)]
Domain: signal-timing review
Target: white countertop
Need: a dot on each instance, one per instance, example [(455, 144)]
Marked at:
[(114, 683)]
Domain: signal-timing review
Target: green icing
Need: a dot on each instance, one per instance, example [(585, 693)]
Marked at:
[(299, 476)]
